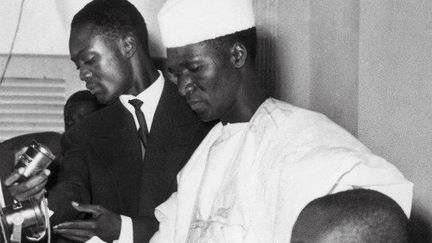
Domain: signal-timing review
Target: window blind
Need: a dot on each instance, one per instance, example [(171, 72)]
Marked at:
[(29, 105)]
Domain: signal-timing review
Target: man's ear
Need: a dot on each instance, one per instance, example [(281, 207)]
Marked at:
[(238, 55), (129, 45)]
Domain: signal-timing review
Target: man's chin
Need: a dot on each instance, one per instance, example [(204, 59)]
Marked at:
[(205, 117), (104, 100)]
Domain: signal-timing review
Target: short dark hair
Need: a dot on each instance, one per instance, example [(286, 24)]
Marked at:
[(247, 37), (113, 19), (359, 215), (82, 96)]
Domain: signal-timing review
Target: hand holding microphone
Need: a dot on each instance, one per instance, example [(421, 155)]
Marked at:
[(30, 175), (26, 185)]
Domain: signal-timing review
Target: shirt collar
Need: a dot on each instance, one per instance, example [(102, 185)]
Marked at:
[(149, 96)]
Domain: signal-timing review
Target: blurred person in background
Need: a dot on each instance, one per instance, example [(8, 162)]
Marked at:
[(79, 105)]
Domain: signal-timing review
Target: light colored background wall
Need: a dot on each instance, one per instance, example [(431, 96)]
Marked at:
[(366, 64), (334, 33), (34, 92), (43, 66), (47, 24), (395, 90)]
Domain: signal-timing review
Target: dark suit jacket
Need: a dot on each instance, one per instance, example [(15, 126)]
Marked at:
[(7, 160), (103, 164)]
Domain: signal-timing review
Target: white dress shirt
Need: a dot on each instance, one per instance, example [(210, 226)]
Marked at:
[(2, 202), (150, 97)]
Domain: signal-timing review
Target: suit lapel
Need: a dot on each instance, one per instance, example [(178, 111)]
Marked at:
[(173, 127), (115, 141), (143, 185)]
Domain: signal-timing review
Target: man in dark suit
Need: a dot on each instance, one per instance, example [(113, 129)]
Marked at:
[(124, 158)]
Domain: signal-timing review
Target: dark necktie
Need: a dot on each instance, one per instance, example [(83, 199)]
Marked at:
[(142, 131)]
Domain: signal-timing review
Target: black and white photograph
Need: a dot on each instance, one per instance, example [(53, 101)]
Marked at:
[(216, 121)]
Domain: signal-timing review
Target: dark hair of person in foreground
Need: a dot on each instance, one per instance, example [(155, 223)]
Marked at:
[(360, 215)]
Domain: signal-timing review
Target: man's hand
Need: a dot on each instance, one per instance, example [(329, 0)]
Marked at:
[(104, 224), (33, 187)]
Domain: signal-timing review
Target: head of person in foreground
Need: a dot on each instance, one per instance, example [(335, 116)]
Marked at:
[(360, 215)]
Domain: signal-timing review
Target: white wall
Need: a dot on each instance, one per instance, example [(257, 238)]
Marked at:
[(395, 90), (41, 31), (334, 33), (45, 25), (367, 65), (317, 56), (292, 47)]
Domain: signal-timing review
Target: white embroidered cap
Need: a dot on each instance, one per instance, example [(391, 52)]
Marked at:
[(184, 22)]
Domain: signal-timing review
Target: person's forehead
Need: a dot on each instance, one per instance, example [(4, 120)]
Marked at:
[(190, 53), (187, 51), (82, 36), (81, 32), (79, 38)]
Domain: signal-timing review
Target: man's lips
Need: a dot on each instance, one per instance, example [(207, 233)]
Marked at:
[(195, 103)]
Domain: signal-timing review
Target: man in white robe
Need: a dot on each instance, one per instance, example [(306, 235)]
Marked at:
[(256, 170)]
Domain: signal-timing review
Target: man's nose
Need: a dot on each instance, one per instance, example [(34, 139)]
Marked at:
[(185, 85), (85, 74)]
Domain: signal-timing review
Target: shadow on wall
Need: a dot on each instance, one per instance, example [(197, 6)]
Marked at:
[(160, 63), (420, 227), (266, 59)]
